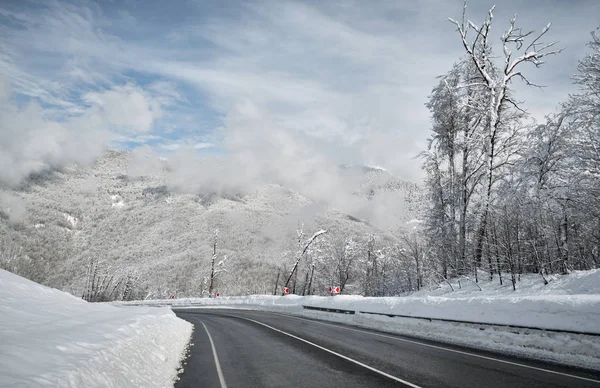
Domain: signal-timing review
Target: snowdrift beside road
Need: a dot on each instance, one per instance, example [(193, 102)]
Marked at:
[(569, 303), (49, 338), (577, 313)]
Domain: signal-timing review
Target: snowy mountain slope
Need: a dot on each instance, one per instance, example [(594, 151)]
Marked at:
[(146, 226), (52, 339)]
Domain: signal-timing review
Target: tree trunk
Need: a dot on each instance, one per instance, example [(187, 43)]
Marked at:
[(564, 237), (212, 267), (519, 258), (312, 273), (489, 257), (305, 282), (344, 279), (375, 277), (277, 281), (480, 237), (497, 252), (295, 282), (452, 222), (419, 282)]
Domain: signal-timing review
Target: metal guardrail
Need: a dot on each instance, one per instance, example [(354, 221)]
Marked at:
[(330, 310), (354, 312), (333, 310)]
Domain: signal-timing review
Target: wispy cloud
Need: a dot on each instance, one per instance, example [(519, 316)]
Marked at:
[(30, 143), (127, 108), (346, 79)]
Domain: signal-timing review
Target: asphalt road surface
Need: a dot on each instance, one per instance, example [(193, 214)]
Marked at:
[(239, 348)]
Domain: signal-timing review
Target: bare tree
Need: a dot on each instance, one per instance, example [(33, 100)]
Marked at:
[(344, 256), (497, 83), (104, 282), (302, 252), (412, 249), (215, 267), (277, 281)]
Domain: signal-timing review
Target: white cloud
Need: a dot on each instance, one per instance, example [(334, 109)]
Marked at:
[(137, 139), (202, 145), (125, 107), (143, 161), (258, 152), (5, 90), (188, 144), (13, 206), (301, 87), (353, 74), (31, 143), (171, 146)]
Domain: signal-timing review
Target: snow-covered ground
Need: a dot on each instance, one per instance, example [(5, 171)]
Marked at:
[(570, 303), (49, 338)]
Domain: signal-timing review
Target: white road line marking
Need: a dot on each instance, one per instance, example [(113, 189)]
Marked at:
[(336, 354), (214, 350), (442, 348)]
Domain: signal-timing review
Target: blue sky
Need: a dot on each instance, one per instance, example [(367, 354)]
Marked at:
[(347, 78)]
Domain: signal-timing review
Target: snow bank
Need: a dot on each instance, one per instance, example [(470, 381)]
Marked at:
[(569, 303), (51, 338), (575, 283), (578, 313), (577, 350)]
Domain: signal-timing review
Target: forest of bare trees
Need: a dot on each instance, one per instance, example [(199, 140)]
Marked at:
[(507, 196)]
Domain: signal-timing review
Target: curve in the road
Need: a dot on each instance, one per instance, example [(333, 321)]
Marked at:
[(389, 376), (519, 364), (258, 349)]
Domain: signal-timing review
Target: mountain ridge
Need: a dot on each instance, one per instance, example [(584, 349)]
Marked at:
[(139, 224)]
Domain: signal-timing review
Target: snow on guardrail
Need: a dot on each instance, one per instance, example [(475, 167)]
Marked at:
[(568, 303), (571, 313)]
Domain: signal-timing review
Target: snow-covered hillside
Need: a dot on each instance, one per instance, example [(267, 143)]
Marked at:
[(52, 339), (146, 225)]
